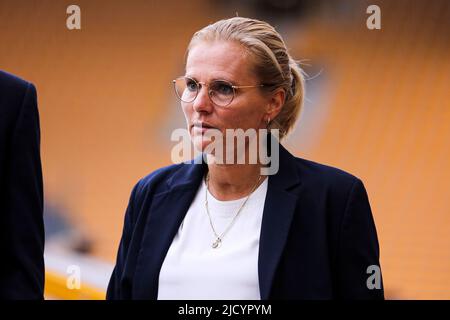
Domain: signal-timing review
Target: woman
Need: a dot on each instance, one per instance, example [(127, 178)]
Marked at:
[(224, 230)]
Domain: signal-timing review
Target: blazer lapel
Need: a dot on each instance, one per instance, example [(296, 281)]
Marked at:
[(278, 212), (167, 211)]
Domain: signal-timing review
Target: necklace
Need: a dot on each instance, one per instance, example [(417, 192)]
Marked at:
[(219, 238)]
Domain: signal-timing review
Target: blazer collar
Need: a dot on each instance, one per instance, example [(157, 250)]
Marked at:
[(169, 207)]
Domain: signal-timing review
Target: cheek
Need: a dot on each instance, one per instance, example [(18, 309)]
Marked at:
[(187, 110), (249, 117)]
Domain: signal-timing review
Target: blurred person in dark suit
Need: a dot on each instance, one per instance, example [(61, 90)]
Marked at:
[(21, 192)]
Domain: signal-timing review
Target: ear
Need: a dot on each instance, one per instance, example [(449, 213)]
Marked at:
[(276, 102)]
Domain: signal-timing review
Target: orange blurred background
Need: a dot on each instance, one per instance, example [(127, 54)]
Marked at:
[(378, 107)]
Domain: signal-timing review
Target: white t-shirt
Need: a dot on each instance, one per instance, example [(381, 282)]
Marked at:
[(192, 269)]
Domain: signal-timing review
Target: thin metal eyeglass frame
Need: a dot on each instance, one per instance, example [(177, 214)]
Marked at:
[(200, 84)]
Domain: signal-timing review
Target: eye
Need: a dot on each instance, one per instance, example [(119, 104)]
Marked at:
[(191, 85), (222, 88)]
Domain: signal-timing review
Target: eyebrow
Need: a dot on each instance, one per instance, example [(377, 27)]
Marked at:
[(214, 79)]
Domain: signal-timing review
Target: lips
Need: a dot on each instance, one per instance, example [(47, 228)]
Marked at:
[(203, 125)]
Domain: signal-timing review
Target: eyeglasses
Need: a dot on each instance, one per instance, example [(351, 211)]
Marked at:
[(220, 92)]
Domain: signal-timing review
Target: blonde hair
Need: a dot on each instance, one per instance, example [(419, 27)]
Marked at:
[(273, 65)]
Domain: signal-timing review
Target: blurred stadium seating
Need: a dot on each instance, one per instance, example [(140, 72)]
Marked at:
[(378, 106)]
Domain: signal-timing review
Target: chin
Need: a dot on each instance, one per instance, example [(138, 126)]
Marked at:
[(199, 142)]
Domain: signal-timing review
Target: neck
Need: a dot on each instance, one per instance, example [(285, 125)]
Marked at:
[(230, 182)]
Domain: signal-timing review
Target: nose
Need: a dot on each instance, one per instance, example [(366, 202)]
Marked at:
[(202, 102)]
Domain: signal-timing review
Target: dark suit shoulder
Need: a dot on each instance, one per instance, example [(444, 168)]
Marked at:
[(321, 176), (10, 81), (14, 92), (156, 180), (334, 188)]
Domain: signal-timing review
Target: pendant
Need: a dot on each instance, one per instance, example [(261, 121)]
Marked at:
[(216, 244)]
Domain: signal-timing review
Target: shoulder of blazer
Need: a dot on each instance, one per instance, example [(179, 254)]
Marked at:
[(156, 180), (164, 179), (323, 171), (317, 176), (13, 93), (8, 79), (11, 85)]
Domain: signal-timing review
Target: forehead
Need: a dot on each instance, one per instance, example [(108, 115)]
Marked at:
[(224, 60)]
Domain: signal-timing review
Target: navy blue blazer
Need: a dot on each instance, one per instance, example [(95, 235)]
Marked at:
[(21, 192), (317, 240)]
